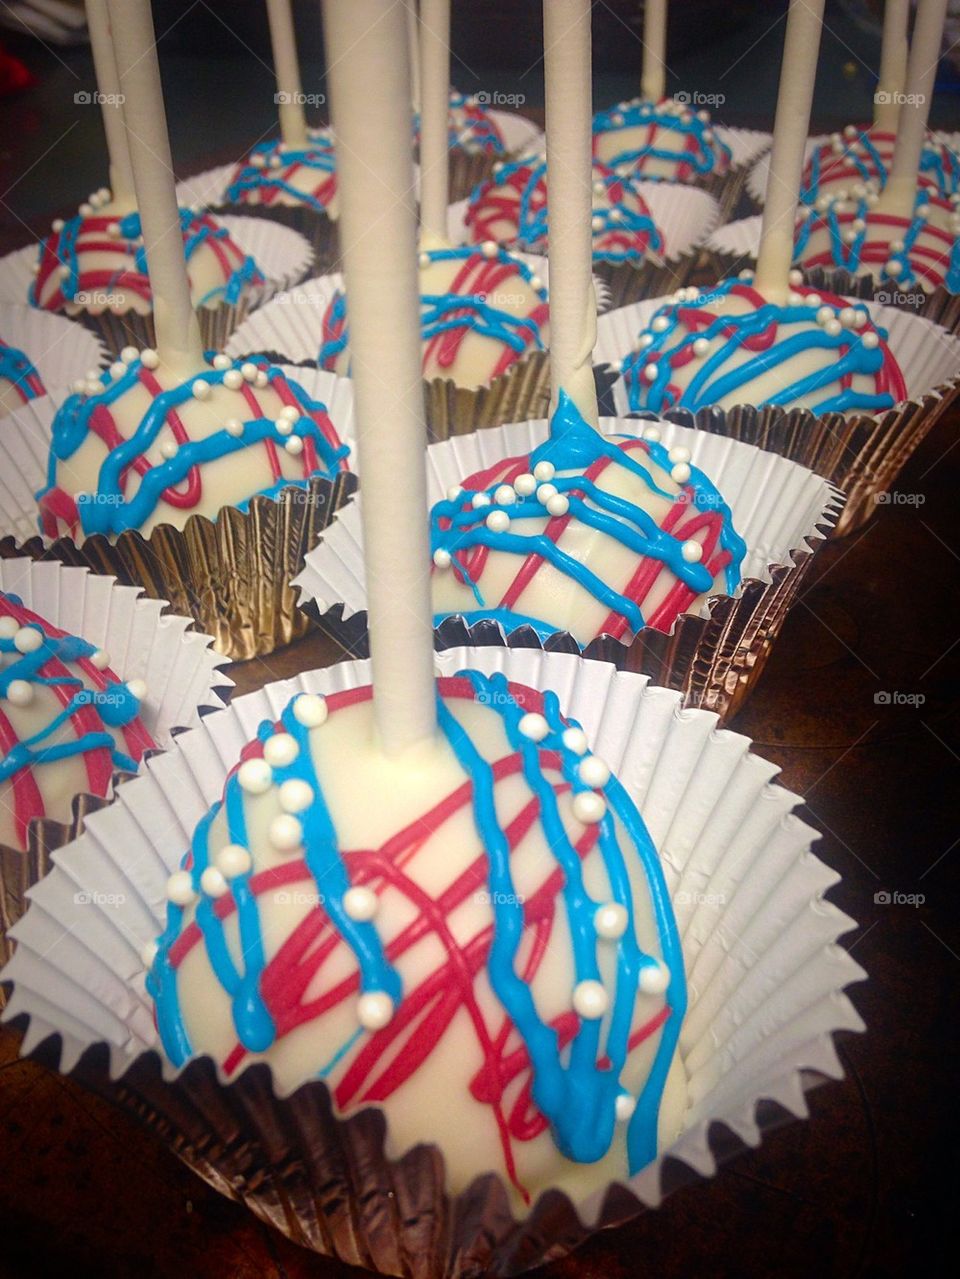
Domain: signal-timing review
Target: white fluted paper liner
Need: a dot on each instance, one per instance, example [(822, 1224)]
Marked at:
[(207, 189), (61, 350), (520, 135), (766, 977), (746, 145), (684, 216), (740, 238), (26, 434), (777, 506), (928, 355), (282, 254), (143, 638)]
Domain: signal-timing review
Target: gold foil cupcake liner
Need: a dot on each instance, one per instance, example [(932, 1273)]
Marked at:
[(862, 453), (182, 674), (765, 976), (781, 510), (468, 169), (231, 574)]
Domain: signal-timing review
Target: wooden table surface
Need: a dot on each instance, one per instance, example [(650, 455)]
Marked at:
[(864, 1187)]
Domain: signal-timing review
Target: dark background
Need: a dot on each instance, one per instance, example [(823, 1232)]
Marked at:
[(868, 1187)]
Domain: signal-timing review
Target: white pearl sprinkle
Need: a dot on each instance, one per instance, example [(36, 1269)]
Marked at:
[(650, 372), (291, 413), (180, 888), (222, 361), (498, 521), (255, 776), (233, 426), (589, 807), (692, 552), (795, 277), (129, 354), (294, 446), (624, 1107), (233, 860), (233, 379), (544, 471), (213, 883), (610, 920), (575, 739), (654, 979), (20, 692), (137, 688), (117, 369), (148, 954), (893, 267), (833, 328), (701, 346), (679, 454), (149, 358), (651, 433), (680, 473), (454, 492), (848, 317), (870, 340), (8, 627), (442, 557), (295, 795), (100, 659), (545, 492), (261, 380), (480, 500), (558, 505), (285, 833), (489, 248), (57, 224), (593, 771), (660, 324), (360, 903), (27, 639), (524, 485), (590, 1000), (310, 710), (533, 726), (249, 371), (824, 314), (280, 750), (169, 448), (374, 1010), (505, 495), (283, 426)]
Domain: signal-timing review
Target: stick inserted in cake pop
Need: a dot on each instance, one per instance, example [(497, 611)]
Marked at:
[(283, 41), (573, 304), (900, 193), (108, 84), (798, 73), (653, 76), (178, 332), (893, 64), (435, 95), (413, 46), (366, 43)]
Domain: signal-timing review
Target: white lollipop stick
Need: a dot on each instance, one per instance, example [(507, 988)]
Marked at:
[(111, 103), (413, 45), (435, 93), (893, 64), (370, 97), (653, 76), (283, 41), (798, 72), (178, 333), (899, 195), (573, 304)]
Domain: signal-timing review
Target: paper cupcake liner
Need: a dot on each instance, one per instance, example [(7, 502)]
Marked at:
[(292, 327), (766, 982), (520, 137), (745, 147), (181, 671), (735, 246), (780, 509), (60, 350), (283, 256), (861, 454), (231, 575)]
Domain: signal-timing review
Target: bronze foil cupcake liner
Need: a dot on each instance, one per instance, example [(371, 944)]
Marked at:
[(758, 1031), (862, 453), (628, 282), (469, 169), (130, 329), (713, 660), (318, 229)]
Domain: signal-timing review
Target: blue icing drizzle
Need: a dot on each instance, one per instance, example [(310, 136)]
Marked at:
[(847, 255), (717, 377), (709, 154), (107, 509), (16, 367), (574, 446), (196, 233), (618, 216), (444, 312), (263, 173), (937, 162), (115, 703), (576, 1094)]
